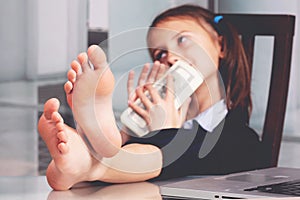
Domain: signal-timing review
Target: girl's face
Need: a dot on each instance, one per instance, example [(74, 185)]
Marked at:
[(185, 39), (200, 46)]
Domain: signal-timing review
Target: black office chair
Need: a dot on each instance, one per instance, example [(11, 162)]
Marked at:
[(282, 28)]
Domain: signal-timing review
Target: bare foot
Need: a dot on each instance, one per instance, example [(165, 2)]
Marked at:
[(89, 93), (72, 162)]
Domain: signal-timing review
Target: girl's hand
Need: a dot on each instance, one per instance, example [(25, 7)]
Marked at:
[(158, 112), (145, 77)]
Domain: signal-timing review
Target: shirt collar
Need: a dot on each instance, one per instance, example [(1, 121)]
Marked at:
[(210, 118)]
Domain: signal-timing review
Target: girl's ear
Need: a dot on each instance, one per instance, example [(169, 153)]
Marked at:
[(222, 50)]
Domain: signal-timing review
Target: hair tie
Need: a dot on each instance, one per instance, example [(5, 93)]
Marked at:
[(218, 18)]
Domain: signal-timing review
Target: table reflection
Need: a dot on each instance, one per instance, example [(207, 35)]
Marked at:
[(141, 190)]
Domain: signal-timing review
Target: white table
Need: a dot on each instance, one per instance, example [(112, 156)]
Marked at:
[(37, 188)]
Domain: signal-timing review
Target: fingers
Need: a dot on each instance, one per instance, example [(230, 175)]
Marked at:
[(136, 107), (145, 77), (145, 92), (144, 74), (147, 99), (158, 69), (161, 71), (153, 74), (130, 86), (144, 97), (154, 94), (157, 72)]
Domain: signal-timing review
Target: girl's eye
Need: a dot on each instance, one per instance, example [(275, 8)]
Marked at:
[(181, 39), (160, 55)]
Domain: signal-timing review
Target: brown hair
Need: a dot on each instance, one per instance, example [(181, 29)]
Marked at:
[(234, 67)]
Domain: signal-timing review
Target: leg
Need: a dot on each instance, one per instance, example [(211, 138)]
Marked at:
[(89, 93), (71, 162)]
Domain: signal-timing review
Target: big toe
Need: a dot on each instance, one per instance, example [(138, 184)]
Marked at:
[(52, 105), (97, 57)]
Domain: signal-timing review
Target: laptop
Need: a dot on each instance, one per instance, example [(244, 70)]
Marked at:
[(262, 183)]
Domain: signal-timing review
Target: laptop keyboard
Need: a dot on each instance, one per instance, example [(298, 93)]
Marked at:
[(287, 188)]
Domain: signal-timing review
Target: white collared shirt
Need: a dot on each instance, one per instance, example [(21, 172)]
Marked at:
[(210, 118)]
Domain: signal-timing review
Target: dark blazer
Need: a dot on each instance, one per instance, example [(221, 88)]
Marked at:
[(233, 147)]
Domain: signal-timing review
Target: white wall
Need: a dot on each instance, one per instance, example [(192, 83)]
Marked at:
[(98, 14), (57, 33), (12, 39), (40, 38), (263, 57)]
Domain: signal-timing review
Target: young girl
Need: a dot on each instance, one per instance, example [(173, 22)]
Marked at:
[(237, 147), (210, 136)]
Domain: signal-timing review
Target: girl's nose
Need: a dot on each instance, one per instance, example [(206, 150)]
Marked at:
[(172, 58)]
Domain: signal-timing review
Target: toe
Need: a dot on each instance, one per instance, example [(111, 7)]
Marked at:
[(60, 126), (52, 105), (75, 65), (68, 87), (56, 117), (71, 76), (63, 147), (83, 60), (97, 57), (62, 136)]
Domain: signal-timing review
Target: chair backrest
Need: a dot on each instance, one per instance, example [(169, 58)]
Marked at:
[(281, 27)]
